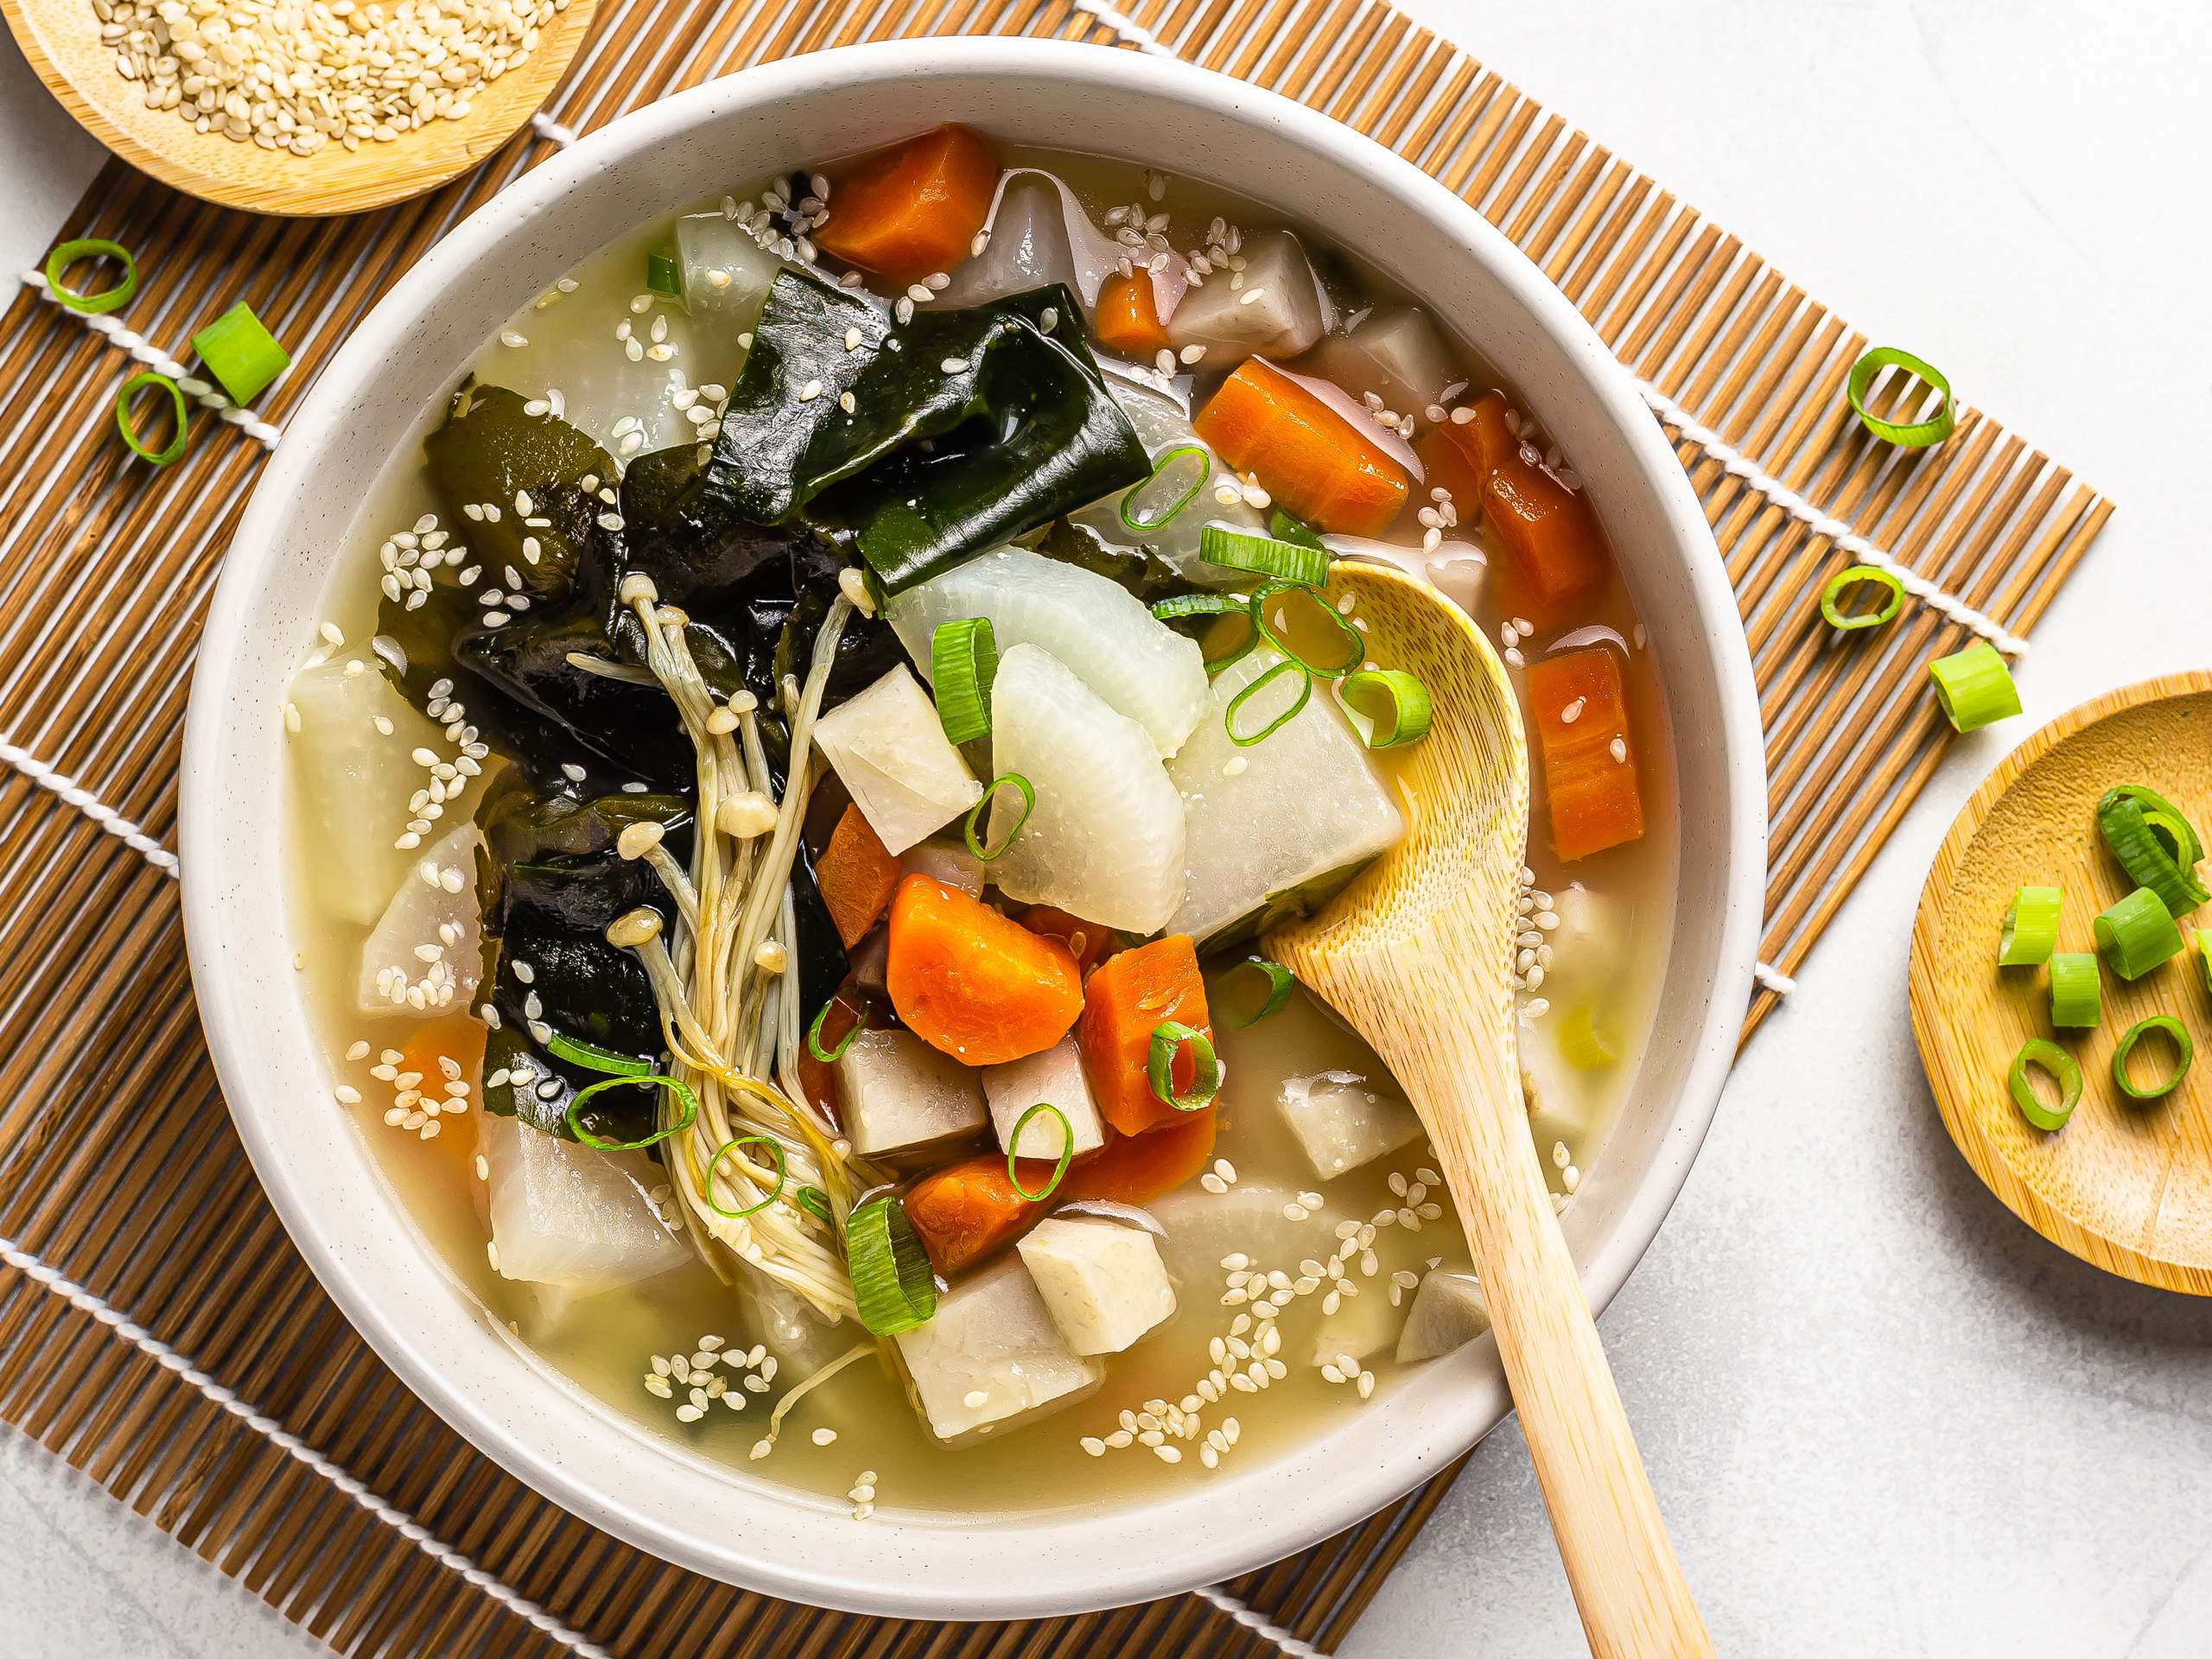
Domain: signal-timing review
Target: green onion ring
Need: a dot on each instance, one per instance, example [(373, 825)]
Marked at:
[(815, 1202), (241, 354), (2077, 991), (1067, 1151), (1974, 686), (1288, 589), (2128, 832), (2174, 831), (1184, 605), (91, 247), (2185, 1052), (2204, 955), (682, 1091), (775, 1193), (2136, 934), (1402, 709), (1906, 435), (159, 457), (2064, 1070), (1294, 564), (1280, 982), (1167, 457), (593, 1058), (1288, 665), (1860, 575), (963, 663), (814, 1034), (1286, 526), (893, 1285), (1205, 1080), (2030, 931), (975, 814), (664, 275)]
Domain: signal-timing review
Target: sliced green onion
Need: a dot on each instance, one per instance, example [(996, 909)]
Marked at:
[(2077, 991), (893, 1282), (1387, 707), (2143, 856), (91, 247), (1286, 526), (1289, 665), (814, 1201), (2030, 932), (1291, 590), (2137, 934), (1908, 435), (664, 275), (159, 457), (976, 815), (241, 354), (593, 1058), (2185, 1052), (831, 1057), (2175, 832), (2063, 1068), (1974, 686), (1860, 575), (724, 1151), (963, 662), (1184, 605), (1579, 1039), (1168, 1036), (1280, 982), (684, 1120), (1067, 1151), (1131, 520), (1241, 550), (2204, 955)]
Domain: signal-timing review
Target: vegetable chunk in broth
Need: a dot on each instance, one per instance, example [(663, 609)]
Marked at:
[(802, 756)]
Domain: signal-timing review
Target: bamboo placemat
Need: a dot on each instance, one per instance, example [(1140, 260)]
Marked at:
[(291, 1458)]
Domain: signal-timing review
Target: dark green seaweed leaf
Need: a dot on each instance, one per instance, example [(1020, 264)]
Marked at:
[(533, 481)]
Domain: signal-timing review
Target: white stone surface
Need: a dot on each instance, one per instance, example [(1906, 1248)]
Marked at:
[(1883, 1417)]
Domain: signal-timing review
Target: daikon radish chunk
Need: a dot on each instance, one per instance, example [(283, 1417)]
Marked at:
[(425, 953), (1278, 310), (726, 279), (1394, 352), (355, 778), (1140, 516), (1053, 1078), (897, 1093), (1103, 1283), (1448, 1314), (1342, 1119), (992, 1354), (571, 1216), (891, 752)]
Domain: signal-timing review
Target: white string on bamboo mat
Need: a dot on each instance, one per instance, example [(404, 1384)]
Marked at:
[(36, 1269), (61, 784)]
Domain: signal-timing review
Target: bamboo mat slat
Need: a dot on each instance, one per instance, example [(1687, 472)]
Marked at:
[(136, 1187)]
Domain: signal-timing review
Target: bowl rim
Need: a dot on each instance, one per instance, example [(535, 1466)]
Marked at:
[(1218, 1551)]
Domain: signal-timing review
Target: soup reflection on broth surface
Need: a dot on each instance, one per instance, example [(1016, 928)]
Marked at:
[(801, 757)]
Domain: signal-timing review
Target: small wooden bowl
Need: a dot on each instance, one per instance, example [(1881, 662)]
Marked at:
[(61, 39), (2125, 1185)]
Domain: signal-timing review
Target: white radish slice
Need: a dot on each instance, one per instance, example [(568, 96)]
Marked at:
[(571, 1216), (355, 778), (1277, 310), (726, 276), (890, 751), (1164, 426), (434, 909)]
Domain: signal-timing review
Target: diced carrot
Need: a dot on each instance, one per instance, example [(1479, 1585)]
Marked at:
[(1124, 1001), (1129, 316), (459, 1038), (912, 209), (817, 1079), (1311, 459), (972, 982), (1087, 942), (965, 1212), (857, 876), (1555, 553), (1581, 712)]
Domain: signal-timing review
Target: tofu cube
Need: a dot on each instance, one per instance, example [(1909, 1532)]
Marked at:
[(898, 1092), (1448, 1313), (992, 1354), (1055, 1078), (1103, 1282), (891, 752), (1341, 1123)]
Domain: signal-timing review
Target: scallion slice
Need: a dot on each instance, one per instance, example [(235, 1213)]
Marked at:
[(2143, 856), (893, 1285), (2204, 955), (968, 831), (2136, 934), (2077, 991), (831, 1056), (1067, 1152), (2063, 1068), (1293, 562), (2185, 1052), (1188, 605), (1289, 665), (2030, 931), (105, 299), (1352, 660), (1147, 491), (1861, 576), (241, 354), (724, 1151), (1581, 1042), (685, 1119), (664, 275), (1286, 526), (1907, 435), (1168, 1037), (593, 1058), (1387, 707), (1280, 982), (1974, 686), (181, 408), (2175, 832), (814, 1201), (963, 661)]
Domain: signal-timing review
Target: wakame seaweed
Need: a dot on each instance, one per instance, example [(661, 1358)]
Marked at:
[(967, 428)]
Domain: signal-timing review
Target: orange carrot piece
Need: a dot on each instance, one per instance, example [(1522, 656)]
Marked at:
[(1124, 1001), (1087, 942), (1312, 461), (974, 983), (817, 1079), (459, 1038), (1581, 712), (914, 209), (856, 875), (1129, 316), (1555, 552)]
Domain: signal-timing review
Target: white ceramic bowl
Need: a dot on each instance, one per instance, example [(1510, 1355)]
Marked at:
[(725, 1521)]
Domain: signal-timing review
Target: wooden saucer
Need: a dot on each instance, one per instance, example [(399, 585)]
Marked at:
[(61, 39), (2125, 1185)]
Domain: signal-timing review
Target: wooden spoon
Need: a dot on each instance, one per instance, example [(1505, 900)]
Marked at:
[(61, 39), (1418, 954)]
